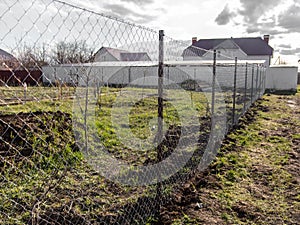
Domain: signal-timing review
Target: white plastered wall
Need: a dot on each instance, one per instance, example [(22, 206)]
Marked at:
[(282, 77)]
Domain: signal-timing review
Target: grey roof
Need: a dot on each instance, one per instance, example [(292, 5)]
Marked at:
[(135, 56), (114, 52), (251, 46), (6, 55), (123, 55)]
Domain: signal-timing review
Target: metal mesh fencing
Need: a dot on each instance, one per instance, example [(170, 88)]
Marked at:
[(101, 120)]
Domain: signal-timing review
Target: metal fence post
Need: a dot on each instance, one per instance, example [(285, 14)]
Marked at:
[(260, 80), (214, 85), (195, 79), (160, 87), (25, 91), (245, 92), (256, 82), (234, 92), (252, 83), (160, 115), (129, 76), (265, 79)]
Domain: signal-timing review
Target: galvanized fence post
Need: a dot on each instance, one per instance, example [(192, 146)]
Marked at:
[(265, 79), (252, 83), (129, 76), (195, 72), (214, 85), (160, 89), (245, 91), (25, 92), (256, 82), (234, 92), (260, 81), (160, 115)]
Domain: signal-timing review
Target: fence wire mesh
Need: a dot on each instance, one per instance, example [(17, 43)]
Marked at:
[(101, 120)]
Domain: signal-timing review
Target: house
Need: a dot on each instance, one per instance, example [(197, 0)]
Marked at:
[(106, 54), (12, 73), (8, 61), (251, 48)]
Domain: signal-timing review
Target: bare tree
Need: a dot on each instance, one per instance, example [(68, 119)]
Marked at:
[(32, 56), (73, 52), (36, 56)]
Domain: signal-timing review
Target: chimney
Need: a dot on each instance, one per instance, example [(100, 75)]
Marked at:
[(194, 40), (267, 38)]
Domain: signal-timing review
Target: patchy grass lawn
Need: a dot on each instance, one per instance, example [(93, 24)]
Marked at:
[(255, 178), (44, 177)]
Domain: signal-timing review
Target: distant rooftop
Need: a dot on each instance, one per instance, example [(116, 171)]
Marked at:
[(6, 55), (252, 46), (135, 56), (8, 61), (123, 55)]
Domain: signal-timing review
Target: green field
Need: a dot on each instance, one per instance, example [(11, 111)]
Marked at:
[(45, 175), (47, 178)]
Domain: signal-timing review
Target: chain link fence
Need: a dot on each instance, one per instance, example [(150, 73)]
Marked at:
[(102, 119)]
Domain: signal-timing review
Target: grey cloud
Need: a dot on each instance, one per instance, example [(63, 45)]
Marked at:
[(290, 51), (285, 46), (290, 19), (254, 9), (139, 2), (161, 10), (263, 30), (255, 27), (122, 11), (119, 9), (268, 27), (225, 16), (144, 19), (252, 29), (253, 13)]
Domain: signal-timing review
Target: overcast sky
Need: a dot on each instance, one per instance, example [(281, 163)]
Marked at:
[(46, 20), (214, 19)]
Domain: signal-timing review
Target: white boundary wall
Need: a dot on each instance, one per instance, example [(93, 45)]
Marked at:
[(145, 73), (282, 78)]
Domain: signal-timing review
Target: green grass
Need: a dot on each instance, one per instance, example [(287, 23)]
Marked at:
[(254, 177), (53, 176), (261, 143), (258, 151), (32, 93)]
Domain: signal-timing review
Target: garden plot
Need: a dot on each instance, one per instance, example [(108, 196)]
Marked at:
[(45, 176)]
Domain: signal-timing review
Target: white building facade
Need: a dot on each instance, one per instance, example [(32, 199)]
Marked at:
[(227, 49)]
